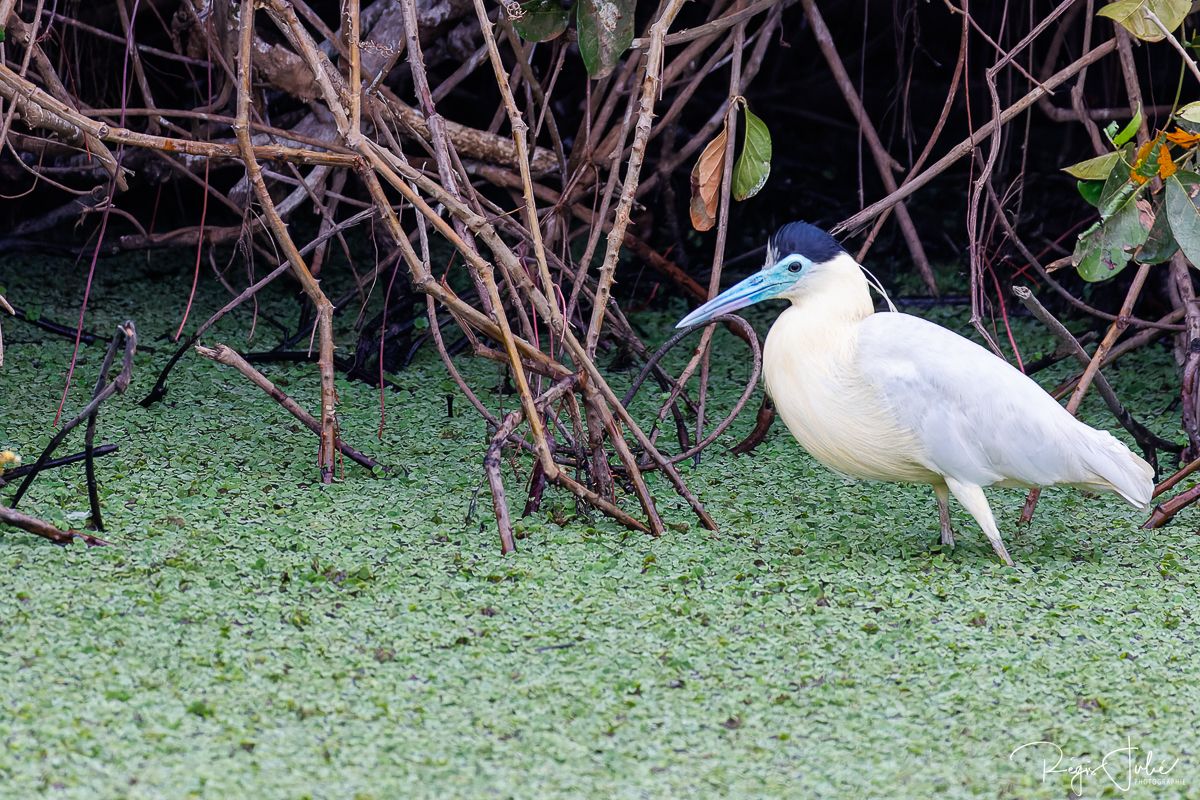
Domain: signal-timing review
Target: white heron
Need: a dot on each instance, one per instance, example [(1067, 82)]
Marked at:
[(893, 397)]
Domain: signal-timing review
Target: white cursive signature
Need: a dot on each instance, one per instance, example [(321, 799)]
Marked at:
[(1122, 767)]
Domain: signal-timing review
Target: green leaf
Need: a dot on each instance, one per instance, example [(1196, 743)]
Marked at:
[(1101, 251), (1189, 113), (753, 166), (1131, 15), (1129, 131), (605, 33), (1160, 244), (541, 20), (1105, 249), (1149, 166), (1182, 214), (1090, 191), (1094, 169), (1117, 188)]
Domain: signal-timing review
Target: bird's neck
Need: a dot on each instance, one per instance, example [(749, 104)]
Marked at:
[(836, 292)]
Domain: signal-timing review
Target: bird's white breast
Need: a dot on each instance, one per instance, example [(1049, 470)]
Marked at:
[(810, 369)]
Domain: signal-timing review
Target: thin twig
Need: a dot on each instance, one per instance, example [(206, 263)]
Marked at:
[(324, 309), (40, 527), (878, 152), (963, 148), (125, 339), (223, 354)]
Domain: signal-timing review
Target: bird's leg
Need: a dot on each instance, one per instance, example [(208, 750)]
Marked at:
[(943, 503), (975, 501)]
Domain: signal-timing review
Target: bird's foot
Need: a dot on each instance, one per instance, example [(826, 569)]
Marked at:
[(947, 537), (1001, 550)]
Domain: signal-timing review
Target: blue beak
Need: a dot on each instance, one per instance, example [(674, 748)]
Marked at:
[(761, 286)]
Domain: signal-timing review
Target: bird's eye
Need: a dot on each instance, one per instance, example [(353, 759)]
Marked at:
[(794, 267)]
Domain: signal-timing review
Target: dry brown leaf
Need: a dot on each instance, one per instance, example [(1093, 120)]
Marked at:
[(706, 182), (1145, 213)]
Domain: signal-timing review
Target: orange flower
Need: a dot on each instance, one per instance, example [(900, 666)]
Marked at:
[(1183, 138), (1166, 167), (1138, 175), (1144, 168)]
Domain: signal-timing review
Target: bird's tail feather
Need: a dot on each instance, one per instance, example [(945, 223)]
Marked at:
[(1120, 470)]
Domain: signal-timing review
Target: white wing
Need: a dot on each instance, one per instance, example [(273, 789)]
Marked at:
[(981, 420)]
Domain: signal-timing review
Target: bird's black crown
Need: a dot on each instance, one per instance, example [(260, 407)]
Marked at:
[(803, 239)]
